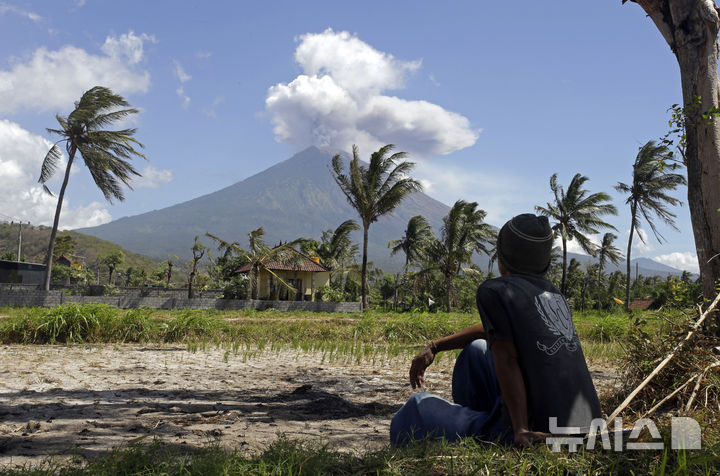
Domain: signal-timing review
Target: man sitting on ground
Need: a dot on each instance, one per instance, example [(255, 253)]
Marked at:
[(520, 366)]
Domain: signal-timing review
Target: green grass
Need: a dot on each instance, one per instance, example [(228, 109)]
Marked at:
[(372, 336), (292, 457), (351, 338)]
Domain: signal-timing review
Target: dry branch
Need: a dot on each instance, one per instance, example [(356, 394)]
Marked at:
[(697, 385), (665, 361)]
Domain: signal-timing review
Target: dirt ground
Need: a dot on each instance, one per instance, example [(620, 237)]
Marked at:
[(81, 401)]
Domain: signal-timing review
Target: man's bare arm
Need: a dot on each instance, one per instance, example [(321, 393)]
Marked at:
[(455, 341), (512, 386)]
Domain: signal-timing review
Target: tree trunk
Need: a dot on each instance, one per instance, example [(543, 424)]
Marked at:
[(56, 222), (690, 27), (363, 273), (253, 282), (564, 271), (448, 292), (633, 210)]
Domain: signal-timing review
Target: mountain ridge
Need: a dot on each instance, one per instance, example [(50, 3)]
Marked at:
[(294, 198)]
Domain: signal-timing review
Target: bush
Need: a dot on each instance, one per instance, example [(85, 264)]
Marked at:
[(327, 293), (612, 327)]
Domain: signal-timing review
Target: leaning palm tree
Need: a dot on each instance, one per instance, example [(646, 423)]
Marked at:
[(414, 242), (607, 252), (463, 233), (374, 190), (336, 249), (648, 195), (106, 154), (418, 235), (577, 214)]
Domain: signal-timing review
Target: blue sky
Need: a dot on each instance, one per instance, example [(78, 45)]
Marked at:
[(489, 98)]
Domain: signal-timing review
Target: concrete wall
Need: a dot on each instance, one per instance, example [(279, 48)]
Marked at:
[(30, 296)]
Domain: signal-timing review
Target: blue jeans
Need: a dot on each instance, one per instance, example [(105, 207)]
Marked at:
[(477, 410)]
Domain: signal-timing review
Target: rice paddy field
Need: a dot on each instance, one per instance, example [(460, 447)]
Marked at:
[(97, 390)]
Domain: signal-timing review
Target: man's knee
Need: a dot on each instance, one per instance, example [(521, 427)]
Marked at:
[(478, 349)]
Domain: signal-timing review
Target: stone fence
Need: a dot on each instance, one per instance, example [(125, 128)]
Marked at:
[(31, 296)]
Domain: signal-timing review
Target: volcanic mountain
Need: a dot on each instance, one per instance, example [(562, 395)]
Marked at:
[(294, 198)]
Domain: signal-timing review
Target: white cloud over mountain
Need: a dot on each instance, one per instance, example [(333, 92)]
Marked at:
[(338, 101), (152, 178), (52, 80), (686, 261), (22, 198)]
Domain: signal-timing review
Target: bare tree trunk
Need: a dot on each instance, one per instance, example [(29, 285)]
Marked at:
[(56, 222), (633, 210), (690, 27), (363, 272), (564, 271), (448, 292)]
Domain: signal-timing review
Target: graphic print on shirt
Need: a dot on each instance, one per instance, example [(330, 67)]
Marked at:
[(555, 314)]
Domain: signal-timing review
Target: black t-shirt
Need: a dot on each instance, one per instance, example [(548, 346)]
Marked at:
[(531, 312)]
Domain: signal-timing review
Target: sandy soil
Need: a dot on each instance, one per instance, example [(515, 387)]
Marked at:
[(83, 400)]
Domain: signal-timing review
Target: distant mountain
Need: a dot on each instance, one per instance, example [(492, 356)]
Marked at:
[(642, 266), (294, 198)]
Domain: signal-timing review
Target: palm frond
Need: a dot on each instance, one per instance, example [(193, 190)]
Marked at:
[(49, 165)]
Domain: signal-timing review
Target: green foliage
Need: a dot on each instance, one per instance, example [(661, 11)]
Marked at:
[(612, 327), (286, 456), (191, 325), (70, 323), (374, 191), (577, 214), (328, 293)]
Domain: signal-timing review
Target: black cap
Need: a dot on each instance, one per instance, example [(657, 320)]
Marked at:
[(525, 243)]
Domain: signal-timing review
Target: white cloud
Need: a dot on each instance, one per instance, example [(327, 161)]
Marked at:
[(573, 246), (356, 66), (127, 47), (494, 193), (21, 156), (5, 8), (54, 80), (183, 77), (152, 178), (210, 111), (686, 261), (338, 102), (641, 241)]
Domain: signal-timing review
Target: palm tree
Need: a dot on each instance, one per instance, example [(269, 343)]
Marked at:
[(374, 190), (418, 235), (337, 248), (260, 255), (106, 154), (607, 252), (648, 194), (577, 214), (463, 233), (414, 242)]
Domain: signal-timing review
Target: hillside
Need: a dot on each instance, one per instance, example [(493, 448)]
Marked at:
[(294, 198), (87, 250)]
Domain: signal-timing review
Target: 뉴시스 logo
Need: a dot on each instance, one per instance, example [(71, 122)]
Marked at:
[(685, 435)]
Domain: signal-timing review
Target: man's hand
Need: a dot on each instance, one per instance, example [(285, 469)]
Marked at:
[(525, 438), (419, 364)]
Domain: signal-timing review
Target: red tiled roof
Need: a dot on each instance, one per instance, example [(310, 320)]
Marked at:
[(304, 263), (641, 304)]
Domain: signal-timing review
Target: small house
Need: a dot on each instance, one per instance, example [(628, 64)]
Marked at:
[(303, 273), (21, 273)]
